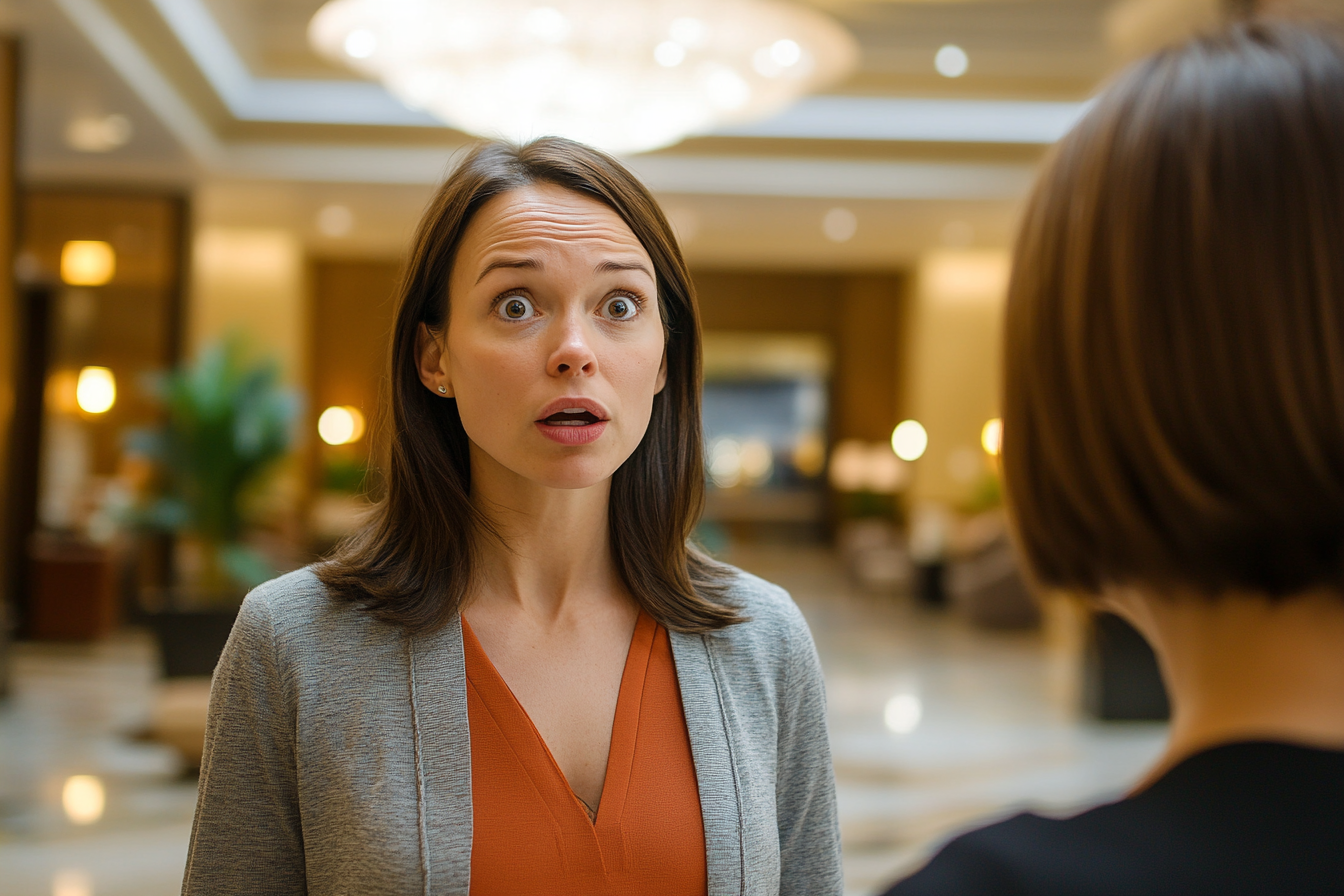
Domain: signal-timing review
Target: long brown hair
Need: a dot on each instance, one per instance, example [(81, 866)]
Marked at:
[(1174, 383), (411, 564)]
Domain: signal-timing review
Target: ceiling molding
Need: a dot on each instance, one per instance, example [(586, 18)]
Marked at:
[(831, 178), (279, 99), (140, 73), (356, 102)]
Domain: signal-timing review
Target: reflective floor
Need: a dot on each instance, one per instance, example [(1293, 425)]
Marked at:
[(934, 726)]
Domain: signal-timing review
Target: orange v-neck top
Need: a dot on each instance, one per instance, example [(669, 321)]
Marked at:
[(531, 834)]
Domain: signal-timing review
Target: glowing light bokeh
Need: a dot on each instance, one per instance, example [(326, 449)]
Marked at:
[(88, 263), (903, 713), (757, 461), (725, 463), (858, 466), (839, 225), (96, 390), (991, 437), (909, 440), (83, 798), (341, 425), (72, 882), (951, 61), (98, 133)]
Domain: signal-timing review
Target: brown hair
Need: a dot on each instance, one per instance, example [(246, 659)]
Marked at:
[(411, 565), (1174, 382)]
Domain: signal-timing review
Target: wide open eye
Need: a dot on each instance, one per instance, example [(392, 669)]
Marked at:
[(620, 308), (515, 308)]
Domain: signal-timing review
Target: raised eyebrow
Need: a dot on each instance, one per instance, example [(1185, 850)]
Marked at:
[(530, 263), (609, 267)]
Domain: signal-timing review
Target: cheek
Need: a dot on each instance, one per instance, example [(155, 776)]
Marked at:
[(486, 378), (638, 362)]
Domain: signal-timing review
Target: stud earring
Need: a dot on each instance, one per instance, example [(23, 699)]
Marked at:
[(443, 390)]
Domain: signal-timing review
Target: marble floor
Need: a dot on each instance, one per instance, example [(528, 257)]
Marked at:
[(934, 726)]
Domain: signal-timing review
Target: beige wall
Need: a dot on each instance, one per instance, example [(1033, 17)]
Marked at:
[(250, 280), (952, 377)]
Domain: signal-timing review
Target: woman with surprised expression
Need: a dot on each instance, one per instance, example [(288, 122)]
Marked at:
[(519, 677)]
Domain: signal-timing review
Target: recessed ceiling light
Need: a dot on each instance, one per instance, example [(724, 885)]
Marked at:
[(97, 133), (335, 221), (951, 61), (839, 225)]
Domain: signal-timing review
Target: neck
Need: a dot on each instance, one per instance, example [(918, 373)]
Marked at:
[(1245, 667), (554, 549)]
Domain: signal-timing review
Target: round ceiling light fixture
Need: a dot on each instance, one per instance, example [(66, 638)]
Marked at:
[(624, 75)]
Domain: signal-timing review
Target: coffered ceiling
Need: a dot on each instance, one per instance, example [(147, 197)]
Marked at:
[(224, 96)]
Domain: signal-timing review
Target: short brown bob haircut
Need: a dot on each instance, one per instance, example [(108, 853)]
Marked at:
[(1174, 386), (411, 565)]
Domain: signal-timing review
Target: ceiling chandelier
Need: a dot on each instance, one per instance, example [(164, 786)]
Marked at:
[(624, 75)]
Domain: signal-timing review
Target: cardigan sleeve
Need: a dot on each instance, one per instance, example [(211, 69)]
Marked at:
[(247, 836), (809, 828)]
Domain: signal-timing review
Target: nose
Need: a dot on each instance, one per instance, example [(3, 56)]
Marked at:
[(573, 353)]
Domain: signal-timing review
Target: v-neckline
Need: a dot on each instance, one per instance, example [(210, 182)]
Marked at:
[(625, 721)]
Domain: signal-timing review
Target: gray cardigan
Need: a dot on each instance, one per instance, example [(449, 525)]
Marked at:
[(338, 759)]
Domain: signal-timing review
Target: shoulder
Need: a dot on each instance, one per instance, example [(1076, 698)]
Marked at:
[(302, 621), (769, 610), (1001, 858), (297, 593), (764, 603), (298, 598), (774, 639), (1115, 847)]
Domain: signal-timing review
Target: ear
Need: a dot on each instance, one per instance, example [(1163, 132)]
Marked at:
[(662, 374), (431, 356)]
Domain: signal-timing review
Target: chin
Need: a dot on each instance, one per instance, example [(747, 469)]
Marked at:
[(572, 473)]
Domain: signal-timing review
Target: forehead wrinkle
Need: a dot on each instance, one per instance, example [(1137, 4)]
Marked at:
[(523, 231), (502, 232), (530, 250)]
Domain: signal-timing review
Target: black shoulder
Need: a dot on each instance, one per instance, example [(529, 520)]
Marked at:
[(997, 860)]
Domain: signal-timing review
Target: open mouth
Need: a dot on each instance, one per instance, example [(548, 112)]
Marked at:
[(571, 417)]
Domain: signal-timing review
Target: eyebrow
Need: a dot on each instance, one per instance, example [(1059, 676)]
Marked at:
[(509, 263), (606, 267)]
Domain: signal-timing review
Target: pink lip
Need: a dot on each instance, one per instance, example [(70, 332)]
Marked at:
[(572, 435), (596, 408)]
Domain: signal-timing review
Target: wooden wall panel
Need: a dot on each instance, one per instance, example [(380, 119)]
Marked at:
[(861, 315), (353, 305), (9, 536)]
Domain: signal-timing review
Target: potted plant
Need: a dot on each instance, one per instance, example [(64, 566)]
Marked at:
[(228, 420)]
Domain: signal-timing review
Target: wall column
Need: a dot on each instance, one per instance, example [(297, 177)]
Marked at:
[(953, 374), (252, 282)]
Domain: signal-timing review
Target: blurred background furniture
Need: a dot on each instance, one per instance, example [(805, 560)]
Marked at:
[(74, 594), (1121, 678), (987, 587)]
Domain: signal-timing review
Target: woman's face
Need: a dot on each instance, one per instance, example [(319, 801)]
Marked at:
[(554, 344)]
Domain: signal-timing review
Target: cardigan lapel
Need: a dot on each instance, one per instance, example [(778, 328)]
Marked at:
[(443, 758), (715, 769)]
